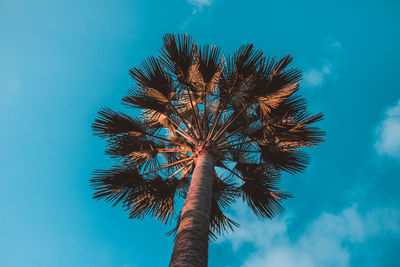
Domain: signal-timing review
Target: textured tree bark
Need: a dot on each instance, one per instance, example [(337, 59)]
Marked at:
[(191, 245)]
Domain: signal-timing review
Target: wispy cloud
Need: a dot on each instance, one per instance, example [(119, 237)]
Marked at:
[(197, 7), (317, 76), (187, 22), (336, 44), (388, 133), (323, 243), (200, 3)]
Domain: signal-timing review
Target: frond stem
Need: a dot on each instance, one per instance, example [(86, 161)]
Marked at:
[(215, 122), (231, 171), (184, 121), (194, 112), (245, 151), (229, 135), (185, 172), (167, 150), (180, 169), (230, 141), (168, 165), (240, 143), (183, 133), (218, 134), (158, 137)]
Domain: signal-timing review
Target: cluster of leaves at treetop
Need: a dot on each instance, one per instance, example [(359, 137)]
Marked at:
[(243, 107)]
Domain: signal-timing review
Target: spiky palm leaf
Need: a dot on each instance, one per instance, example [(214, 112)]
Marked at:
[(241, 108)]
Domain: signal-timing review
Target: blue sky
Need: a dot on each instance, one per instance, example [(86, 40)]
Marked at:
[(61, 61)]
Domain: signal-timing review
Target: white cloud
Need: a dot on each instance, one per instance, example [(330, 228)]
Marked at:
[(336, 44), (323, 242), (317, 76), (200, 3), (189, 20), (198, 6), (388, 141)]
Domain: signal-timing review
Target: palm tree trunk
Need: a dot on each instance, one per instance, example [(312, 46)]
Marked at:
[(191, 245)]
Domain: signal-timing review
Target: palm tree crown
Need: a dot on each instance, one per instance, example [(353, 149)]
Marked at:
[(241, 108)]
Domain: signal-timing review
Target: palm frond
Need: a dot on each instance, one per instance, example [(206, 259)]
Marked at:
[(273, 100), (224, 193), (291, 125), (178, 55), (147, 99), (259, 190), (138, 151), (245, 61), (151, 75), (116, 184), (282, 159), (152, 196), (156, 199), (220, 223), (274, 76), (210, 65), (109, 123)]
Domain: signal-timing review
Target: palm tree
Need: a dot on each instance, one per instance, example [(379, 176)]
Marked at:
[(211, 129)]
